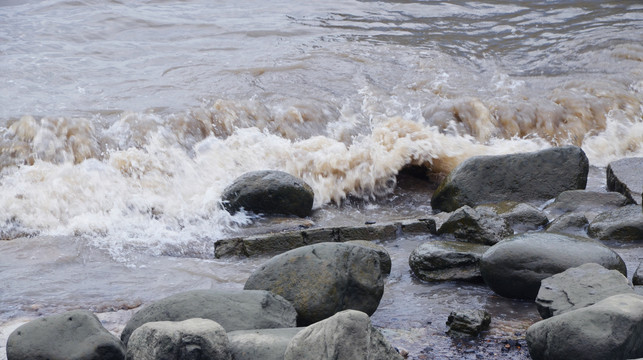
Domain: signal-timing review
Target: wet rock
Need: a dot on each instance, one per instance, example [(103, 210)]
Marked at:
[(188, 339), (588, 203), (322, 279), (637, 278), (517, 177), (579, 287), (624, 176), (348, 335), (447, 260), (520, 216), (385, 258), (265, 344), (72, 335), (572, 224), (419, 226), (478, 226), (610, 329), (623, 224), (467, 323), (239, 310), (514, 267), (269, 192)]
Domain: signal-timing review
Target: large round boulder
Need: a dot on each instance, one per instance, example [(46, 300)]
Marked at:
[(323, 279), (514, 267), (269, 192)]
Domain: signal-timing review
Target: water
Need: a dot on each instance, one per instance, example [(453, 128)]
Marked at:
[(121, 124)]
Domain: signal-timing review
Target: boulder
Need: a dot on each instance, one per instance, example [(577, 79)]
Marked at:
[(238, 310), (572, 224), (520, 216), (514, 267), (73, 335), (447, 260), (588, 203), (385, 258), (188, 339), (471, 225), (269, 192), (539, 175), (610, 329), (322, 279), (624, 176), (467, 323), (637, 278), (623, 224), (348, 335), (265, 344), (579, 287)]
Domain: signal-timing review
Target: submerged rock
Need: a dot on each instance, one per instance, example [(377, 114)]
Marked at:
[(624, 176), (467, 323), (623, 224), (447, 260), (517, 177), (264, 344), (482, 227)]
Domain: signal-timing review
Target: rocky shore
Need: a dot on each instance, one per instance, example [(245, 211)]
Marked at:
[(521, 224)]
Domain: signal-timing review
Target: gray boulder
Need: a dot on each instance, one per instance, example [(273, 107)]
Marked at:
[(514, 267), (348, 335), (477, 226), (269, 192), (637, 278), (189, 339), (588, 203), (623, 224), (239, 310), (323, 279), (572, 224), (467, 323), (265, 344), (611, 329), (517, 177), (579, 287), (624, 176), (72, 335), (385, 258), (520, 216), (447, 260)]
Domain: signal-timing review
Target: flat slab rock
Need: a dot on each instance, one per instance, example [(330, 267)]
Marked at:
[(587, 203), (625, 176), (447, 261), (623, 224)]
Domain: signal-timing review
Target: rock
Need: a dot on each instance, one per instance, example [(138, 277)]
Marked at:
[(72, 335), (385, 258), (520, 216), (447, 260), (419, 226), (265, 344), (579, 287), (517, 177), (624, 176), (637, 278), (348, 335), (467, 323), (188, 339), (322, 279), (239, 310), (514, 267), (588, 203), (623, 224), (269, 192), (572, 224), (483, 227), (610, 329)]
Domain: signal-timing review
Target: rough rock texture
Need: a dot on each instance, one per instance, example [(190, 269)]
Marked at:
[(447, 260), (72, 335), (588, 203), (385, 258), (573, 224), (579, 287), (514, 268), (482, 227), (348, 335), (516, 177), (520, 216), (637, 278), (240, 310), (269, 192), (624, 176), (190, 339), (467, 323), (623, 224), (323, 279), (611, 329), (266, 344)]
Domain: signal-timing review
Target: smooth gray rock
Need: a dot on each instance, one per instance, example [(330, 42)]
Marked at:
[(514, 267), (624, 176), (623, 224), (637, 278), (588, 203), (237, 310), (193, 339), (611, 329), (520, 216), (447, 260), (579, 287), (572, 224), (264, 344), (269, 192), (75, 335), (467, 323), (323, 279), (348, 335), (385, 258), (517, 177), (477, 226)]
